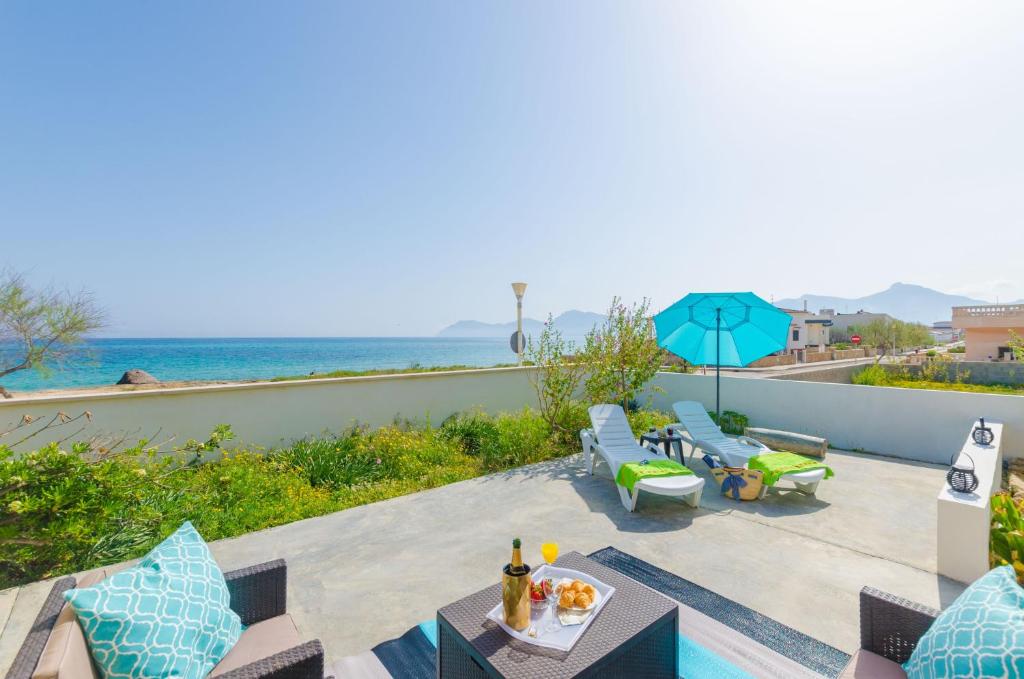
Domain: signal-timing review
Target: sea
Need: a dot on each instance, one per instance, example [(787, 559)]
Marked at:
[(248, 358)]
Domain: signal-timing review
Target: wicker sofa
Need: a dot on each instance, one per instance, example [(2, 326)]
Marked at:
[(268, 648), (890, 628)]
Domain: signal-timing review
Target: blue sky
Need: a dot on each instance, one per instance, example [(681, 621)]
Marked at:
[(387, 168)]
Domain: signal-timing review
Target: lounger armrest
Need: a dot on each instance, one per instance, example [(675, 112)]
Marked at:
[(891, 626), (305, 661), (259, 592), (752, 442)]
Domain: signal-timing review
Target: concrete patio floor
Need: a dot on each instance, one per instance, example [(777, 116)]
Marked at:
[(370, 573)]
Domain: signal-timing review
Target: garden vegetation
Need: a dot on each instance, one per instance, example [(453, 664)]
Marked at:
[(937, 373), (70, 507)]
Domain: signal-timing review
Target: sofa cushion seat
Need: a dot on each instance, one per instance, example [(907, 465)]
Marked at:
[(66, 655), (259, 641), (868, 665)]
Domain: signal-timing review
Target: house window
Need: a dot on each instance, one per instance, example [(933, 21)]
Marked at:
[(796, 334)]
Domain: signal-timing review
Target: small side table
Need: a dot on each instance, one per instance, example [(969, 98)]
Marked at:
[(666, 441), (634, 635)]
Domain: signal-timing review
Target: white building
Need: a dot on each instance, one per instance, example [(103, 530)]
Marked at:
[(807, 330)]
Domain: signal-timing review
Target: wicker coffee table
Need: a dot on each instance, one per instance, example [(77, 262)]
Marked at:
[(634, 635)]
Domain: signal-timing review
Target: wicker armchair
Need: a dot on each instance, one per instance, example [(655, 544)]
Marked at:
[(258, 594), (890, 628)]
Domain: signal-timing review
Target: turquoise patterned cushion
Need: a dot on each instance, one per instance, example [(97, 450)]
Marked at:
[(170, 616), (980, 635)]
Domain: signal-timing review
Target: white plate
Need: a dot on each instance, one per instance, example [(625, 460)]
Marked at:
[(564, 637)]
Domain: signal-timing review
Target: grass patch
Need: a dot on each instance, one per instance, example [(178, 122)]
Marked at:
[(388, 371), (877, 376), (1005, 389)]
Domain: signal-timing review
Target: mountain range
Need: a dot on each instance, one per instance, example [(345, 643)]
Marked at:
[(572, 324), (902, 300)]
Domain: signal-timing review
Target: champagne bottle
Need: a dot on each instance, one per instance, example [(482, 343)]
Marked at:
[(515, 589), (516, 566)]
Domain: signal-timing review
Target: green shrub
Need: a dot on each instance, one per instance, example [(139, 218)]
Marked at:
[(474, 430), (1006, 539), (731, 422), (574, 418), (642, 420), (523, 438), (842, 346), (873, 376), (960, 349), (334, 461)]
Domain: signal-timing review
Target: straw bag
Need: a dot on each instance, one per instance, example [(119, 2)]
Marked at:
[(739, 483)]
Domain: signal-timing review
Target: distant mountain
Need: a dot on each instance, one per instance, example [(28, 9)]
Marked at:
[(572, 324), (902, 300)]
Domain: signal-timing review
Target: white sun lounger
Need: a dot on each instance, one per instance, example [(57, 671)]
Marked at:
[(613, 440), (703, 433)]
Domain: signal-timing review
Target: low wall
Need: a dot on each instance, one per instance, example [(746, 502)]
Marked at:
[(269, 413), (843, 354), (816, 356), (964, 520), (842, 374), (914, 424), (773, 361)]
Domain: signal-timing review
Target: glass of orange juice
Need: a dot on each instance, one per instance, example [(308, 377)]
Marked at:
[(549, 550)]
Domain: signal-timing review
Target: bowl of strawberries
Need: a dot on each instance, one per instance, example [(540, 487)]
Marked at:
[(541, 592)]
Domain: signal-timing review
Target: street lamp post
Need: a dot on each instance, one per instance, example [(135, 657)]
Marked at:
[(519, 342)]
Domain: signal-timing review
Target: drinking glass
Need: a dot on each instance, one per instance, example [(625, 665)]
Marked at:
[(549, 550)]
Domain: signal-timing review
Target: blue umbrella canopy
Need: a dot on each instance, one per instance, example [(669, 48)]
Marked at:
[(750, 328), (722, 328)]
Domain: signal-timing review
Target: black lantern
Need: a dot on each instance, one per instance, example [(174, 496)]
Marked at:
[(982, 435), (962, 479)]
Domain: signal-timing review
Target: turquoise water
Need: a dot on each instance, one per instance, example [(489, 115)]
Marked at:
[(259, 358)]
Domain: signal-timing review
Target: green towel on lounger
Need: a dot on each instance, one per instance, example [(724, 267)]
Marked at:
[(776, 465), (631, 472)]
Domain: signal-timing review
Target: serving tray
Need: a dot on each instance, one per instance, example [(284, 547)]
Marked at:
[(564, 637)]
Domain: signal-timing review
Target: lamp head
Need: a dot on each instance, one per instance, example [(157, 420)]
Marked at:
[(519, 289)]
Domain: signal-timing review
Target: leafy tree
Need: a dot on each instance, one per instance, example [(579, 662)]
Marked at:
[(1017, 345), (893, 334), (558, 375), (41, 329), (622, 356)]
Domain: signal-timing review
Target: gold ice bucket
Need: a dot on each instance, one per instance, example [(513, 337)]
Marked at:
[(515, 599)]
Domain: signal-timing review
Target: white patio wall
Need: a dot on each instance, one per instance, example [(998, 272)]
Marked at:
[(915, 424), (909, 423), (266, 414)]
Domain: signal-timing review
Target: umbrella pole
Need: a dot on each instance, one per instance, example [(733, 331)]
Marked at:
[(718, 365)]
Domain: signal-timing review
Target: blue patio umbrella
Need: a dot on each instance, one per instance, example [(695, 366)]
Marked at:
[(722, 328)]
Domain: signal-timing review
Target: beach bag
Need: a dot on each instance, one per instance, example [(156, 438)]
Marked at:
[(739, 483)]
